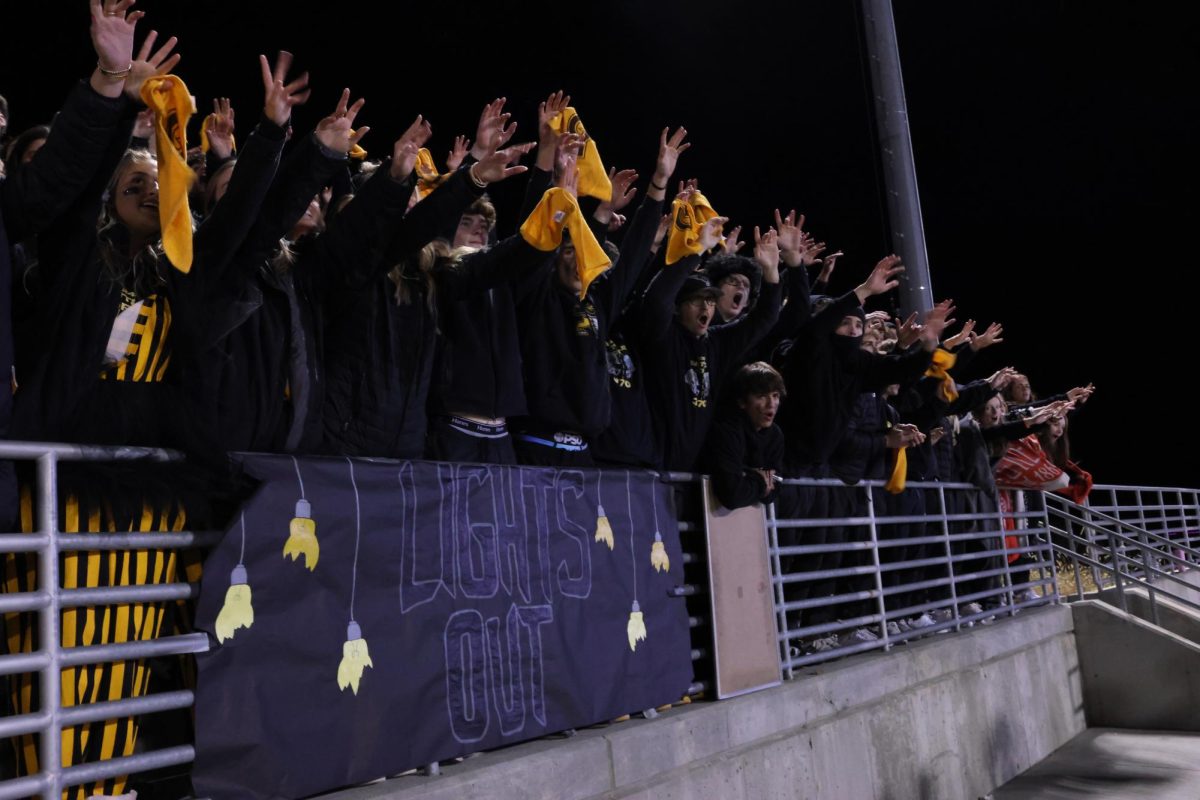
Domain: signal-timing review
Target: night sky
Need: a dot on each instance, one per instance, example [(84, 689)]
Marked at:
[(1054, 144)]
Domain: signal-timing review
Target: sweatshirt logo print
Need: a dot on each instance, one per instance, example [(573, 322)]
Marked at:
[(698, 381), (586, 322), (620, 364)]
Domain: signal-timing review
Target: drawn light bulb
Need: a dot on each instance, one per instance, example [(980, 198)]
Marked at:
[(302, 536), (355, 658), (237, 612)]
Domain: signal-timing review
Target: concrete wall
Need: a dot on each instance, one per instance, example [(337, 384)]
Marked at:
[(950, 717), (1134, 674), (1176, 617)]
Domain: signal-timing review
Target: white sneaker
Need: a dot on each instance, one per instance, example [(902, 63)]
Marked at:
[(893, 629), (822, 644), (858, 636), (971, 608), (1026, 596), (923, 621), (943, 615)]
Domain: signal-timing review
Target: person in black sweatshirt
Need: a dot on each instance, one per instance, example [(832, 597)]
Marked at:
[(563, 335), (686, 362), (744, 452)]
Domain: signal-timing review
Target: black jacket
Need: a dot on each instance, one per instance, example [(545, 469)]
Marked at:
[(733, 453), (824, 374), (563, 337), (684, 374)]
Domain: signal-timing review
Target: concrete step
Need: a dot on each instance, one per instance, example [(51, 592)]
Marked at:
[(1116, 765)]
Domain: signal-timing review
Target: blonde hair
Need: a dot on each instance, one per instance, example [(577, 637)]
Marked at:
[(119, 266)]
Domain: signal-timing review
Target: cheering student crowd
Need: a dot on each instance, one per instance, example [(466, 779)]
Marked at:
[(307, 301)]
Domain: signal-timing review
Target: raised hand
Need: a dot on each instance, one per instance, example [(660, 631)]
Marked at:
[(493, 131), (112, 38), (960, 337), (827, 266), (462, 146), (567, 174), (882, 278), (908, 332), (669, 150), (548, 109), (732, 241), (499, 165), (279, 98), (404, 151), (1080, 394), (622, 194), (1002, 377), (220, 128), (989, 337), (150, 62), (936, 321), (660, 233), (336, 132), (766, 253), (710, 232)]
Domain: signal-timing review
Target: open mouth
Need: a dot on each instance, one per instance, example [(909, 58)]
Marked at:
[(703, 320), (738, 298)]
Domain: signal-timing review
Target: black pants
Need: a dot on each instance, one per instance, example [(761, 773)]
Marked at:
[(448, 442)]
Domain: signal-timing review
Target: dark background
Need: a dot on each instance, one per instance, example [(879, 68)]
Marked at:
[(1054, 143)]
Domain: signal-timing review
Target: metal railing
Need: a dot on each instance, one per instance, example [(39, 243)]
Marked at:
[(1120, 555), (49, 599), (899, 576)]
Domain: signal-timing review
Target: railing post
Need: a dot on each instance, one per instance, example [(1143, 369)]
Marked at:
[(1050, 554), (1116, 563), (50, 742), (883, 631), (1012, 600), (949, 557), (780, 610)]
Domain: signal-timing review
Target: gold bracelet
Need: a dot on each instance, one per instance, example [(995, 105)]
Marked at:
[(115, 74)]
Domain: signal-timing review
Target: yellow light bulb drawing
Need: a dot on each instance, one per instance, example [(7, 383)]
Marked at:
[(636, 627), (302, 536), (658, 554), (355, 659), (237, 612), (604, 532)]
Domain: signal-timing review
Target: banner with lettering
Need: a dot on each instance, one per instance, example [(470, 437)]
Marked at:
[(368, 617)]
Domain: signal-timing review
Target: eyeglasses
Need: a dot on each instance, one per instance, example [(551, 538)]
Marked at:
[(701, 302)]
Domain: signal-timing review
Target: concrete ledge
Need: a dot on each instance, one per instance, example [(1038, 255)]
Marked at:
[(1178, 618), (952, 716), (1135, 674)]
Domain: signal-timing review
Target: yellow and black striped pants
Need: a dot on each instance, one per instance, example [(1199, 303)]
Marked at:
[(86, 626)]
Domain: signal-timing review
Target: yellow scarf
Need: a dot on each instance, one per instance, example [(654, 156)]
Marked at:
[(687, 220), (428, 178), (204, 145), (895, 484), (593, 178), (169, 99), (543, 230), (943, 361)]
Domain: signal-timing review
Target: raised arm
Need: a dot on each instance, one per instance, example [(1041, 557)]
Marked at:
[(658, 305)]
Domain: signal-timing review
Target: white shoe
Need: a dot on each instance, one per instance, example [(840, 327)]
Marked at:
[(1026, 596), (822, 644), (893, 629), (971, 608), (858, 636), (923, 621), (943, 615)]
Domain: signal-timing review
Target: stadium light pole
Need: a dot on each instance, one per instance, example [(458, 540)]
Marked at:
[(905, 228)]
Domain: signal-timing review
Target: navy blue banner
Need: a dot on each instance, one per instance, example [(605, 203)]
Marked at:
[(369, 617)]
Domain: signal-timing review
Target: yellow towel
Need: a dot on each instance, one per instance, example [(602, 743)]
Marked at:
[(593, 178), (895, 484), (943, 361), (543, 230), (687, 220), (169, 99), (428, 178)]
